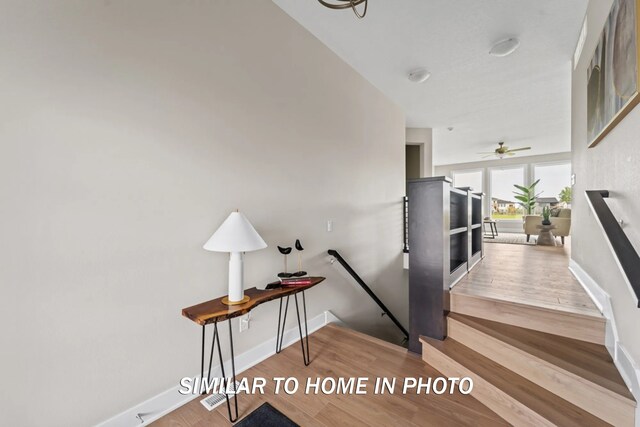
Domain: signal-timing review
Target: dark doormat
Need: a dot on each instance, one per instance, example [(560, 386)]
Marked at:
[(266, 416)]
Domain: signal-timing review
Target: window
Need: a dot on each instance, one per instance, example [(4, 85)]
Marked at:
[(470, 178), (503, 202), (553, 179)]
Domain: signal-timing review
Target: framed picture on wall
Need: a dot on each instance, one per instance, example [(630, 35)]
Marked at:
[(613, 73)]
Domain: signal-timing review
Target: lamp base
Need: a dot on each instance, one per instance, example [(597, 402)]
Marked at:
[(226, 301)]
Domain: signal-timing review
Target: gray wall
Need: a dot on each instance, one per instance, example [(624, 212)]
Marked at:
[(614, 164), (422, 137), (413, 161), (129, 131)]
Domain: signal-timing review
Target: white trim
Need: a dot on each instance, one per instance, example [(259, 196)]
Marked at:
[(171, 399), (624, 362), (598, 295), (602, 300)]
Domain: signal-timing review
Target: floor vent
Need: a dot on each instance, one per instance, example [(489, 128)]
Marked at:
[(210, 402)]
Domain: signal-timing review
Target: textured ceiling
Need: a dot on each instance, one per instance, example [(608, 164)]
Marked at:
[(523, 99)]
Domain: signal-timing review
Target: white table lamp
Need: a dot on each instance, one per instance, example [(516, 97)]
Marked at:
[(236, 235)]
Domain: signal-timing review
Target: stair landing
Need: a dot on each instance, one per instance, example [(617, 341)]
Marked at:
[(525, 274)]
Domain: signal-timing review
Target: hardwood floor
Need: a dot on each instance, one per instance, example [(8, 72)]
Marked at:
[(533, 348), (340, 352), (532, 275)]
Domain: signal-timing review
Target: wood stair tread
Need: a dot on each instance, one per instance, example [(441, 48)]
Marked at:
[(500, 297), (584, 359), (538, 399), (581, 326)]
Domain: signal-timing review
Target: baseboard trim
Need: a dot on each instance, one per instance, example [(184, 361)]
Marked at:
[(598, 295), (602, 301), (169, 400), (624, 362)]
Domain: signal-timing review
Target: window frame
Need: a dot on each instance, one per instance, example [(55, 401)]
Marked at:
[(525, 179), (552, 163)]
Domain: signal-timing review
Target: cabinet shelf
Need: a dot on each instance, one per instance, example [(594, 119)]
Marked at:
[(457, 230), (440, 217), (458, 209), (456, 264), (458, 191)]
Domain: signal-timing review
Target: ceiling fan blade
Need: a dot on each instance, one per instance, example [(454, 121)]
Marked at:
[(487, 152), (520, 149), (509, 153), (488, 155)]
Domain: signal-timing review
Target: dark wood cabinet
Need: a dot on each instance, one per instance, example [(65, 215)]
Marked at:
[(445, 242)]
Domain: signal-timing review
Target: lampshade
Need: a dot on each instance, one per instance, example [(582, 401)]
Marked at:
[(236, 234)]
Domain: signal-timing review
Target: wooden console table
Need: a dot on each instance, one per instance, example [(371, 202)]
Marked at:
[(215, 311)]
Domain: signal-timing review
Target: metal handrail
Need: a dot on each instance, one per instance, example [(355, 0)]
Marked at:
[(626, 254), (368, 290), (405, 224)]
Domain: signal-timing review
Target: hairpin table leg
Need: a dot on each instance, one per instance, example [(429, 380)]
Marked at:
[(224, 377), (305, 348), (280, 334), (202, 359), (213, 346)]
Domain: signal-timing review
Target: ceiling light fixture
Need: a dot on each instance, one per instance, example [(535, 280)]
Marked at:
[(419, 75), (505, 47), (347, 4)]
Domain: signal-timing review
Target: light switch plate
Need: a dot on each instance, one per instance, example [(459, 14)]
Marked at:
[(245, 322)]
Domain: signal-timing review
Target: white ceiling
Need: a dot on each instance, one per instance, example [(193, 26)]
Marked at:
[(523, 99)]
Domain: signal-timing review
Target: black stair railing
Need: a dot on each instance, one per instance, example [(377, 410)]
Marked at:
[(405, 224), (625, 252), (368, 290)]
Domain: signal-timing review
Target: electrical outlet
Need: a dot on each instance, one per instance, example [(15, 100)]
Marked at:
[(245, 322)]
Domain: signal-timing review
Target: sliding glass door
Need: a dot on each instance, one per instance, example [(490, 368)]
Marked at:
[(501, 186)]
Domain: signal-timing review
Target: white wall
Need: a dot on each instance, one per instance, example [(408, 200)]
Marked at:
[(614, 165), (129, 131)]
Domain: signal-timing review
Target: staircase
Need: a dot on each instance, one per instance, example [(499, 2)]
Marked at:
[(532, 365)]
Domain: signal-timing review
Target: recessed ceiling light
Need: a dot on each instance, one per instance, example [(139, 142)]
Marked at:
[(505, 47), (419, 75)]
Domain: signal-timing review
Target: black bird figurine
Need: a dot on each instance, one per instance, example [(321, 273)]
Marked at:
[(285, 252), (300, 272)]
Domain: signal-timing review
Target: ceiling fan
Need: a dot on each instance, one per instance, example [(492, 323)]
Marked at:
[(503, 151)]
